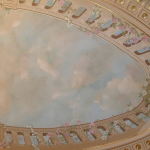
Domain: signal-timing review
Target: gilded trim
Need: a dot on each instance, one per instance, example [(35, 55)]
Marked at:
[(118, 141), (120, 15)]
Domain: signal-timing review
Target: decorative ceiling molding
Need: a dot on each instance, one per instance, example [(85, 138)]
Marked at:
[(129, 10), (130, 143), (136, 12)]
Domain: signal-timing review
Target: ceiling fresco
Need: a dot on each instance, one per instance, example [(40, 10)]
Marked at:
[(51, 74)]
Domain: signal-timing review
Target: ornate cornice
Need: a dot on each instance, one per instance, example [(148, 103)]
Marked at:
[(139, 10)]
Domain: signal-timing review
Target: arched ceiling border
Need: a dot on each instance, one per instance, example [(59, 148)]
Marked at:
[(105, 4), (84, 25), (118, 44), (120, 15), (120, 143)]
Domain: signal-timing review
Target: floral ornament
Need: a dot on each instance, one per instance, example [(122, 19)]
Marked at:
[(34, 134), (21, 139), (67, 124), (35, 147), (115, 123), (113, 126), (61, 134), (97, 13), (146, 92), (63, 6), (132, 32), (140, 119), (106, 132), (68, 20), (87, 34), (78, 121), (96, 31), (68, 17), (58, 132), (127, 122), (122, 27), (66, 134), (135, 40), (114, 20), (50, 138), (61, 2), (146, 97), (96, 21), (146, 82), (4, 8), (104, 137), (49, 135), (145, 38), (92, 124), (117, 127), (129, 107), (97, 10), (97, 26), (62, 139), (7, 139), (91, 132)]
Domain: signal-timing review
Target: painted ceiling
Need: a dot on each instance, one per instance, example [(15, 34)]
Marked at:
[(51, 74)]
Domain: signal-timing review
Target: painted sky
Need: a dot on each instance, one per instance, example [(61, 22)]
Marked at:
[(50, 74)]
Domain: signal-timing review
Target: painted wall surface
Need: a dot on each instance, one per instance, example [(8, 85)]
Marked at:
[(50, 74)]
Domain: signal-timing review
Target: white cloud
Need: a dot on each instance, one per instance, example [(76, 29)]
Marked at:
[(121, 91), (9, 21), (11, 66), (46, 67), (16, 23), (93, 65)]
